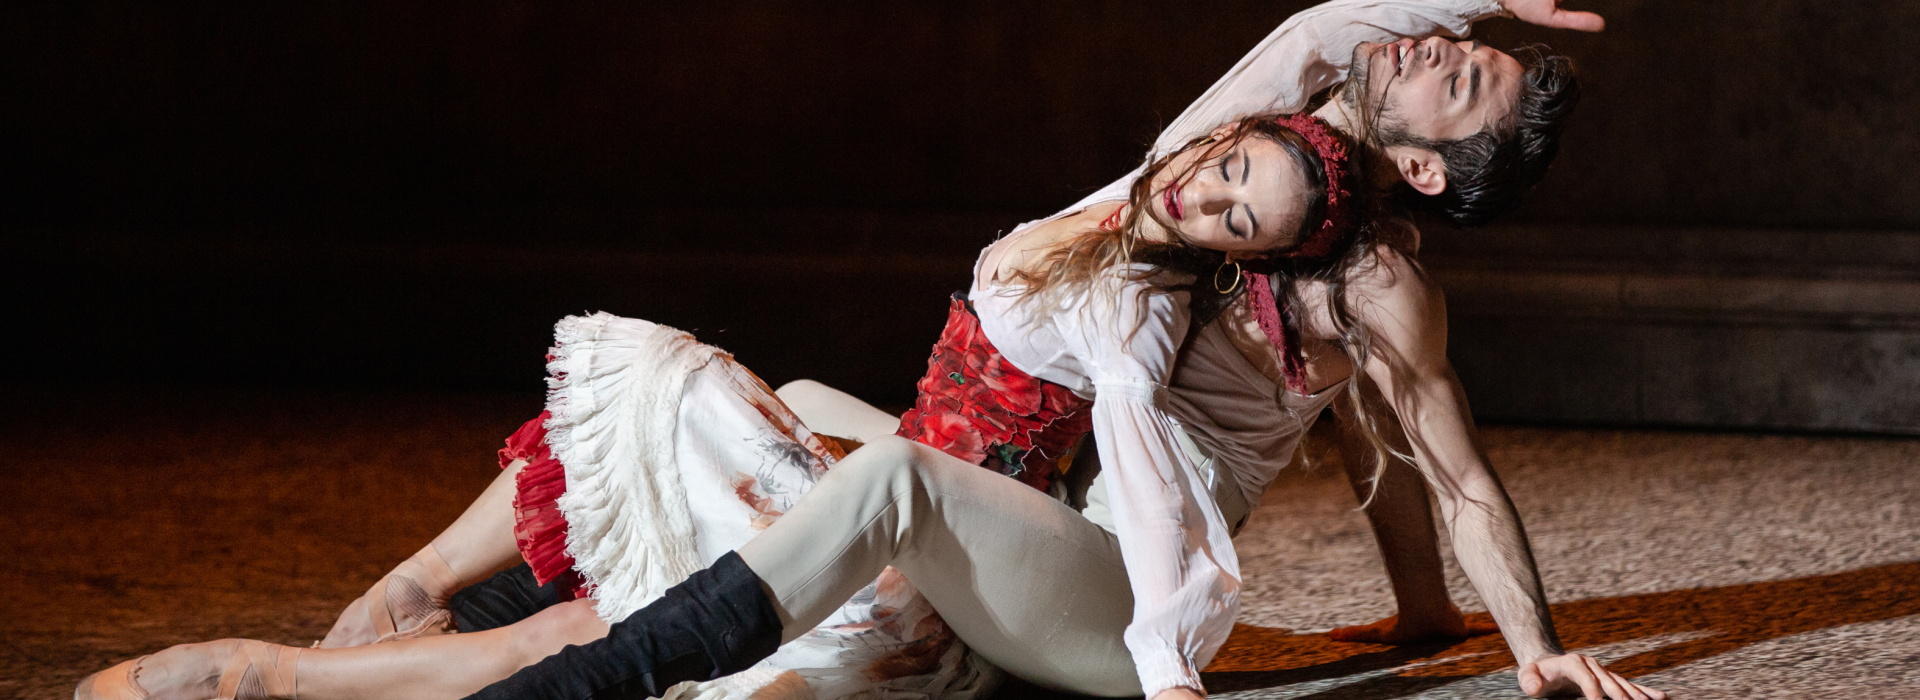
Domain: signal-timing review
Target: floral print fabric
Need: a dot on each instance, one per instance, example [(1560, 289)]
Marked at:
[(975, 405)]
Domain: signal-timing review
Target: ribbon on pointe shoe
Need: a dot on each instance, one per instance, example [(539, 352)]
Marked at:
[(259, 671)]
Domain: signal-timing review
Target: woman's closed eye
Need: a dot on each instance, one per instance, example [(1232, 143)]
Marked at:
[(1227, 177)]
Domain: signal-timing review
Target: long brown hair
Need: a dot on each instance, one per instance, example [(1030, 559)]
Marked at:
[(1092, 256)]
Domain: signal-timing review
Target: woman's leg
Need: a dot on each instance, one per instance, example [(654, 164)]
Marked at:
[(1029, 584), (480, 541), (830, 411), (450, 666), (1025, 581), (477, 544)]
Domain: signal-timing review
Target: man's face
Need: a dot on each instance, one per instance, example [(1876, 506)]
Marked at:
[(1433, 89)]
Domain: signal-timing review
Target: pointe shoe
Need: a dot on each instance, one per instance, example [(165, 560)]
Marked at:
[(409, 602), (254, 671), (115, 683)]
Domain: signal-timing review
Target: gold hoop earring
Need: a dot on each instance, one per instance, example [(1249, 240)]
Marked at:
[(1231, 288)]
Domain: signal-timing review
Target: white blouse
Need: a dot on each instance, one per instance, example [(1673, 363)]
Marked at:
[(1146, 392)]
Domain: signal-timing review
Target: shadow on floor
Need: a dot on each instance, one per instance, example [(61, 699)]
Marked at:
[(1724, 618)]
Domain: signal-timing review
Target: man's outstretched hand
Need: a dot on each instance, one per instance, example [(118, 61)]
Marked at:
[(1579, 674), (1547, 13)]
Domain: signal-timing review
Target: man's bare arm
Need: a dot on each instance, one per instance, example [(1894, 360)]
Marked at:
[(1406, 315), (1402, 520), (1407, 318)]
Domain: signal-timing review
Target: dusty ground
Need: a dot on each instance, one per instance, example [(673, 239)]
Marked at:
[(1713, 566)]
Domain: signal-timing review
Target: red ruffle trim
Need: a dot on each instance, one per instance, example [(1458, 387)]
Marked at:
[(539, 528), (975, 405)]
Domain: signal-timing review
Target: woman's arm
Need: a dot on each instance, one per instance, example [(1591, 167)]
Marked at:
[(1406, 315), (1176, 546)]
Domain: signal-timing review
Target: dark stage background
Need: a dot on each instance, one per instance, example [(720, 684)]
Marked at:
[(406, 195)]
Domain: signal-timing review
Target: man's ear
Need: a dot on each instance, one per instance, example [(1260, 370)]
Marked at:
[(1423, 170)]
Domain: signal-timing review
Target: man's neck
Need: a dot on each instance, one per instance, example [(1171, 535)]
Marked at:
[(1334, 113), (1337, 115)]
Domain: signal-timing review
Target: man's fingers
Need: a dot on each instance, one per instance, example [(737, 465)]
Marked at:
[(1608, 682), (1646, 692), (1547, 13), (1615, 683), (1589, 685), (1582, 21), (1633, 691)]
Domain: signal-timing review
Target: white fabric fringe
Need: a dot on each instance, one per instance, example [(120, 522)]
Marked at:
[(614, 388)]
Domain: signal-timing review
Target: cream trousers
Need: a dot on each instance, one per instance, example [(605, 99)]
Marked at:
[(1028, 583)]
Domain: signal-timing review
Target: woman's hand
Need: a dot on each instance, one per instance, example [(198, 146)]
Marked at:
[(1569, 674), (1547, 13), (1179, 694)]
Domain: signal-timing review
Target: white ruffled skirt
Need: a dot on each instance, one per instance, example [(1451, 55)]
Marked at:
[(675, 454)]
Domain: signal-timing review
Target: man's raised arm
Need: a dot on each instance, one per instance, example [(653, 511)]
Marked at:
[(1310, 52), (1307, 53)]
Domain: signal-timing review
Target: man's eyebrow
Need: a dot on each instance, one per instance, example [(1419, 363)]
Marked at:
[(1473, 85)]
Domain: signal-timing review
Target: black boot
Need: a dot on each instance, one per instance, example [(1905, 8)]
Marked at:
[(716, 623), (510, 596)]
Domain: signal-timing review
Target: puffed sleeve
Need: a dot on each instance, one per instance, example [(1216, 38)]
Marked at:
[(1307, 53), (1179, 558)]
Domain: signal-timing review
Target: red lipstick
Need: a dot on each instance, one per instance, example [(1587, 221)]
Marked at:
[(1171, 198)]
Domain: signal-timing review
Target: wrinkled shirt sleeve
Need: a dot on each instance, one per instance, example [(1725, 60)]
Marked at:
[(1179, 558), (1307, 53)]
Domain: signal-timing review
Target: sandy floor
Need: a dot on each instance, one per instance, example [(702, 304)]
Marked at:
[(1713, 566)]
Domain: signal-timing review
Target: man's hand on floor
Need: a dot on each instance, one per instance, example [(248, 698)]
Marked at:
[(1579, 674)]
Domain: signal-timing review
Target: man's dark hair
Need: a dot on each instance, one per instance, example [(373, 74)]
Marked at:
[(1488, 171)]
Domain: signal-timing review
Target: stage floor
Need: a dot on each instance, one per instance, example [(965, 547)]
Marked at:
[(1708, 565)]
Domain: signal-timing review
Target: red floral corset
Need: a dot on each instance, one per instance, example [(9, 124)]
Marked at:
[(977, 406)]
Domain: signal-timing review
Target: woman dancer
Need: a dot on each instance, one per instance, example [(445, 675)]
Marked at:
[(1122, 374)]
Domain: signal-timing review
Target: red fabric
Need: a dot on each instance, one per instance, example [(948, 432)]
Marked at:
[(975, 405), (1332, 149), (1272, 312), (539, 528)]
